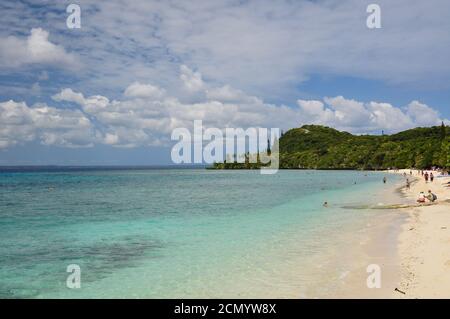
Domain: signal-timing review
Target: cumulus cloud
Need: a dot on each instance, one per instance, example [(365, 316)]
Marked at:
[(147, 115), (69, 96), (360, 117), (35, 49), (192, 81), (422, 114), (139, 90), (51, 126), (389, 118), (312, 107)]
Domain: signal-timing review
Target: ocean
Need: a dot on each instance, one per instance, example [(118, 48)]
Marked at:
[(184, 233)]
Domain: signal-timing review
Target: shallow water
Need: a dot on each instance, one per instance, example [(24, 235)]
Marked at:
[(181, 233)]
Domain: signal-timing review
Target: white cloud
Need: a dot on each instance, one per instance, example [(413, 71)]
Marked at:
[(192, 81), (389, 118), (111, 139), (148, 115), (314, 108), (51, 126), (35, 49), (422, 114), (360, 117), (265, 48), (227, 93), (138, 90), (69, 96)]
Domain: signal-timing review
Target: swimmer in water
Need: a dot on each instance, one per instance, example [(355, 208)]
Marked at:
[(325, 204)]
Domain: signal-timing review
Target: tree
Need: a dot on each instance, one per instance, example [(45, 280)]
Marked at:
[(443, 131), (326, 148), (444, 160)]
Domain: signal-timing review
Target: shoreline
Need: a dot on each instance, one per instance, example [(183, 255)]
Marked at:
[(365, 224), (423, 242), (408, 241), (380, 247)]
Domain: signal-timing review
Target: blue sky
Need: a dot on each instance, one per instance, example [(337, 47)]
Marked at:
[(112, 91)]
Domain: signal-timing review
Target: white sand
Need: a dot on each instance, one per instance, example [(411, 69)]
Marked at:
[(424, 243)]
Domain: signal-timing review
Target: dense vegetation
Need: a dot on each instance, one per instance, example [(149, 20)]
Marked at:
[(319, 147)]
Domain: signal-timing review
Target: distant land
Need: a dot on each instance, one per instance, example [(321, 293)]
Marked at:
[(320, 147)]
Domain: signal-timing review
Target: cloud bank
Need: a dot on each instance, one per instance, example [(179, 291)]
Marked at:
[(263, 47), (146, 115), (16, 52)]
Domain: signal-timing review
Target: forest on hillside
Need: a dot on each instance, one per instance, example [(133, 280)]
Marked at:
[(320, 147)]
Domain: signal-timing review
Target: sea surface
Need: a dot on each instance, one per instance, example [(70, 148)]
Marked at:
[(177, 233)]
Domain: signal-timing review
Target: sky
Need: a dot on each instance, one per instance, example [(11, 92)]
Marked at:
[(112, 91)]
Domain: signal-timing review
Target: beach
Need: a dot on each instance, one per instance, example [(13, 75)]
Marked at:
[(424, 240)]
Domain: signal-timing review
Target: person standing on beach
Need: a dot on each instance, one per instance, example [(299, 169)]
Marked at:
[(384, 180), (432, 177), (426, 177), (408, 184)]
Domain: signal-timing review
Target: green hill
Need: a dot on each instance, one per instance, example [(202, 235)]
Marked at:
[(319, 147), (323, 148)]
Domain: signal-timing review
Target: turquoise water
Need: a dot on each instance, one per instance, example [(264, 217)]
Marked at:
[(177, 233)]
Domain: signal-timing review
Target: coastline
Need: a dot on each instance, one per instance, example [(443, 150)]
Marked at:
[(324, 254), (380, 246), (409, 243), (423, 242)]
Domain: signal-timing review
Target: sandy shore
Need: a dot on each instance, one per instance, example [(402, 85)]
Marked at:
[(424, 242)]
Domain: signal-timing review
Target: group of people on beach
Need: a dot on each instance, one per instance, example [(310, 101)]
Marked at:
[(431, 197), (428, 177)]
